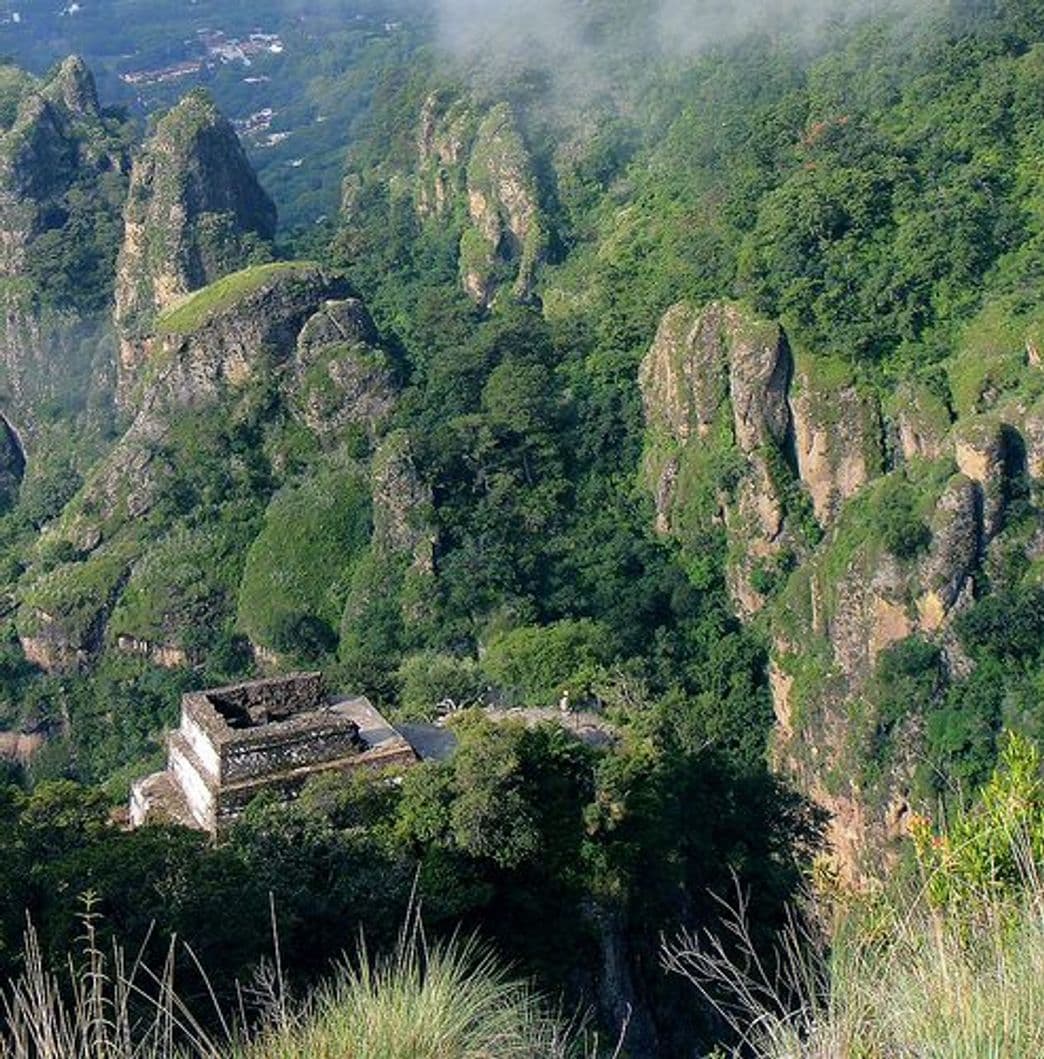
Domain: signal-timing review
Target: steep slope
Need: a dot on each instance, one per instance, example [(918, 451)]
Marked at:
[(227, 413), (715, 387), (63, 177), (744, 449), (195, 212)]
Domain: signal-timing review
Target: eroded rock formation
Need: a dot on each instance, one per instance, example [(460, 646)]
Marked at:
[(63, 172), (506, 235), (195, 212), (744, 446), (232, 351), (714, 387)]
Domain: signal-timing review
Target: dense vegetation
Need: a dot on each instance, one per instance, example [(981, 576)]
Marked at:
[(555, 851), (877, 192), (944, 960)]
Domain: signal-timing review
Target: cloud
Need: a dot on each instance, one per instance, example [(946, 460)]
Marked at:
[(563, 35)]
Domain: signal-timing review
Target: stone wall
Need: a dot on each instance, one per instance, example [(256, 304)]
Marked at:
[(198, 794), (287, 786), (201, 744), (290, 745), (258, 702)]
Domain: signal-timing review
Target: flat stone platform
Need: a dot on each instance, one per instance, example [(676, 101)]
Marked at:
[(264, 737)]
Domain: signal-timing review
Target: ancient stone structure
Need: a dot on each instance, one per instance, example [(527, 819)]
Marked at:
[(264, 736)]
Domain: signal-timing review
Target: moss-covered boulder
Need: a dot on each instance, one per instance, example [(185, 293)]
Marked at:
[(344, 379)]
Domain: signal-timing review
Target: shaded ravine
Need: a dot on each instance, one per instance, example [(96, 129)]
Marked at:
[(12, 462)]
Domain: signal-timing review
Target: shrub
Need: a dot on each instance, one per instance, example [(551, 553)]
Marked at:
[(1009, 625), (903, 532), (535, 664), (428, 679)]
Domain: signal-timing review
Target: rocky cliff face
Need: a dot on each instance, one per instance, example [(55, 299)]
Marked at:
[(837, 436), (233, 349), (848, 528), (506, 235), (715, 386), (195, 212), (402, 505), (447, 131), (63, 170)]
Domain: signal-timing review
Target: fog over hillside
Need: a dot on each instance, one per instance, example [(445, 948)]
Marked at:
[(570, 29), (595, 48)]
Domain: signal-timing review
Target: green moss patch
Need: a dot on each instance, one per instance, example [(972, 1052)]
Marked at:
[(301, 563), (192, 313)]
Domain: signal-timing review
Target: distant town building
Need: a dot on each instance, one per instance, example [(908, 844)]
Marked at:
[(262, 736)]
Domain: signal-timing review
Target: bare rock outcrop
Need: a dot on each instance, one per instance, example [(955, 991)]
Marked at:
[(215, 358), (947, 571), (1033, 436), (980, 448), (837, 434), (714, 387), (922, 422), (851, 602), (233, 348), (195, 212), (471, 179)]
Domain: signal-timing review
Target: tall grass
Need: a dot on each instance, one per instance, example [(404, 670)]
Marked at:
[(105, 1006), (441, 1001), (910, 983), (946, 963), (450, 1000)]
